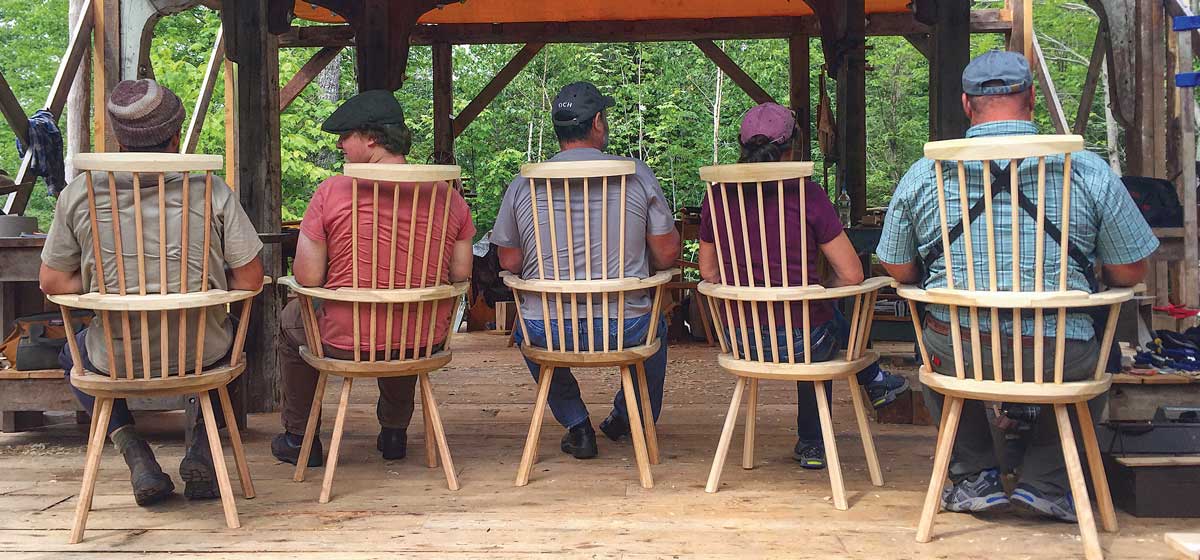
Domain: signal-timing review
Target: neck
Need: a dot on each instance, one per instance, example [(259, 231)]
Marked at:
[(984, 119), (573, 144), (383, 156)]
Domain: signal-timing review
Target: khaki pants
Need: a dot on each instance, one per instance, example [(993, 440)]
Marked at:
[(395, 406)]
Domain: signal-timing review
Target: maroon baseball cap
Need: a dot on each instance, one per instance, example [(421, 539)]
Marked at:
[(768, 119)]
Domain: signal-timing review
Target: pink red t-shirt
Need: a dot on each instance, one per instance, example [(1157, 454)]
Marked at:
[(329, 219), (821, 221)]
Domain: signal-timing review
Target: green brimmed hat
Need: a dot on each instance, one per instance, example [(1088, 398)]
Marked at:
[(377, 107)]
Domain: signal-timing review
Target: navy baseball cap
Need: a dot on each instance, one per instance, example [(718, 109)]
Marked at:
[(1004, 72), (578, 102)]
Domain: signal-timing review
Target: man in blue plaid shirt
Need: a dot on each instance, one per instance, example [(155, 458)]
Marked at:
[(1106, 227)]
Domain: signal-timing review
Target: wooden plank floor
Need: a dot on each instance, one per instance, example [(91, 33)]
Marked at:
[(593, 509)]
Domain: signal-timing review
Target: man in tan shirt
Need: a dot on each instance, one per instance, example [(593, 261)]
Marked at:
[(146, 117)]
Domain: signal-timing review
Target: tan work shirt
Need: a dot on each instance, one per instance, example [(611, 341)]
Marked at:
[(233, 243)]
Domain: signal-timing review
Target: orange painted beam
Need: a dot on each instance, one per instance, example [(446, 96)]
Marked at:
[(518, 11)]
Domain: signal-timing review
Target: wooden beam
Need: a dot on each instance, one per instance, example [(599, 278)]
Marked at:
[(495, 86), (443, 103), (1049, 94), (950, 46), (982, 21), (106, 69), (852, 104), (231, 124), (306, 75), (800, 91), (196, 125), (18, 119), (922, 42), (1021, 38), (1181, 157), (1089, 84), (258, 179), (735, 72), (56, 99)]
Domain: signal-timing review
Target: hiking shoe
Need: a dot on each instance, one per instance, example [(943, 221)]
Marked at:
[(1029, 498), (150, 484), (197, 471), (615, 427), (981, 493), (286, 447), (886, 390), (810, 456), (392, 443)]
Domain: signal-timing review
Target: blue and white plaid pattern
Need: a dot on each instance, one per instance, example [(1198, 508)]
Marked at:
[(1105, 225)]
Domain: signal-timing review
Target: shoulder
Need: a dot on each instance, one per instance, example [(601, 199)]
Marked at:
[(1091, 168), (916, 180)]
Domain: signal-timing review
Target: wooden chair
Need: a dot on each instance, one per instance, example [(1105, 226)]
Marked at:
[(128, 299), (577, 291), (1001, 384), (380, 299), (745, 307)]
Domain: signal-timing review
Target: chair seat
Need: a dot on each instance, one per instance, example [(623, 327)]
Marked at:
[(816, 371), (1007, 391), (591, 359), (101, 385), (392, 368)]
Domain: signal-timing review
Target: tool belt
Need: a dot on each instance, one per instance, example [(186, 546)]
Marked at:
[(36, 340)]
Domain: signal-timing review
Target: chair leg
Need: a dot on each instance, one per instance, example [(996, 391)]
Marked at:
[(638, 435), (535, 426), (336, 442), (864, 429), (431, 459), (101, 412), (648, 417), (310, 428), (751, 423), (714, 475), (235, 437), (439, 431), (831, 454), (951, 413), (1083, 504), (218, 457), (1108, 514)]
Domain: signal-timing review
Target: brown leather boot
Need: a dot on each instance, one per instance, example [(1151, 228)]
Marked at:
[(150, 484)]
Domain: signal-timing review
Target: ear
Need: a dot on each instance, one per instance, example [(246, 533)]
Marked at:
[(1032, 98), (966, 105), (600, 123)]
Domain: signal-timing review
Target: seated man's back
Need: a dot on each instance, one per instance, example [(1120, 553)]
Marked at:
[(646, 214), (233, 243), (330, 218), (1105, 226)]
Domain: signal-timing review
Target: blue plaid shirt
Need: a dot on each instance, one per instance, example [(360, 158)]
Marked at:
[(1105, 225)]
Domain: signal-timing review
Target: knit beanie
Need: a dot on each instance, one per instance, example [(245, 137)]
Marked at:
[(144, 113)]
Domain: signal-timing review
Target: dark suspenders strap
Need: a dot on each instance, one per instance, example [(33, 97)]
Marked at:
[(1001, 183)]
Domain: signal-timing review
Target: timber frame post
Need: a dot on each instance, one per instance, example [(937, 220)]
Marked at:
[(950, 50), (800, 91), (259, 176)]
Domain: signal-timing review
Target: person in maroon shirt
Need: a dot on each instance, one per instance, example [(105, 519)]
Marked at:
[(767, 134)]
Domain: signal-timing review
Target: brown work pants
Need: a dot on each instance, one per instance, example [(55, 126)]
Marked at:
[(395, 406)]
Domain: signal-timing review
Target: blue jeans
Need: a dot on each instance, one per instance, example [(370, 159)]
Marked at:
[(565, 400), (827, 339), (121, 416)]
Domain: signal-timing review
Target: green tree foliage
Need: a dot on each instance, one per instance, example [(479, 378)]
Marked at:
[(665, 94)]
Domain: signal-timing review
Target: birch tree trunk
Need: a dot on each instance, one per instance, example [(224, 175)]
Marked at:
[(1112, 130), (717, 113), (79, 103), (329, 81)]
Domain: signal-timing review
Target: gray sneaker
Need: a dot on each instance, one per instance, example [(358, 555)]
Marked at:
[(978, 494), (1029, 498)]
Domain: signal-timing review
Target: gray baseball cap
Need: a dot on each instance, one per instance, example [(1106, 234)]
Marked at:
[(578, 102), (1008, 71)]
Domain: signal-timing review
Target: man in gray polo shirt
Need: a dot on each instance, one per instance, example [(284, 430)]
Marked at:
[(651, 243)]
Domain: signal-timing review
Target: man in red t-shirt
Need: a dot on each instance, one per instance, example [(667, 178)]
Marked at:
[(371, 129)]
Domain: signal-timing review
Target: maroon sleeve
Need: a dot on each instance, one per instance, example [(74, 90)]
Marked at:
[(822, 216), (706, 223)]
